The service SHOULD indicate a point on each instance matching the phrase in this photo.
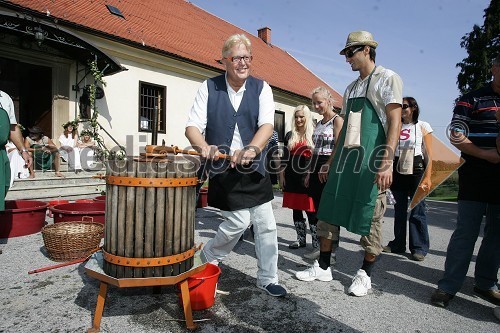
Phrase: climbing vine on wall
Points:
(92, 88)
(92, 91)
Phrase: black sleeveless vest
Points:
(222, 119)
(242, 187)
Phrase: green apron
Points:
(4, 159)
(42, 159)
(349, 197)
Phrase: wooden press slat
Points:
(130, 220)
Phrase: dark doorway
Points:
(30, 87)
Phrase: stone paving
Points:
(64, 300)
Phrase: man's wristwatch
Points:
(24, 150)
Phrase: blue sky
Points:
(419, 39)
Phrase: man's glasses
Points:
(405, 106)
(236, 60)
(349, 53)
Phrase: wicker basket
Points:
(66, 241)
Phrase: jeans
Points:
(265, 236)
(461, 247)
(418, 231)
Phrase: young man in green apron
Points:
(8, 130)
(360, 168)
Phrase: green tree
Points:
(482, 45)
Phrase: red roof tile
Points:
(179, 28)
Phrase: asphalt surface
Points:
(64, 299)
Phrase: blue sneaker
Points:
(274, 289)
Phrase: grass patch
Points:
(447, 191)
(444, 198)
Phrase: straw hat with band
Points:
(356, 38)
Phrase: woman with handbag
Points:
(412, 166)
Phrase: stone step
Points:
(46, 186)
(49, 179)
(55, 186)
(71, 193)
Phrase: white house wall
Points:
(120, 106)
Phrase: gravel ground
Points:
(64, 299)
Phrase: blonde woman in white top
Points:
(325, 135)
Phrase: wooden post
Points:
(149, 225)
(160, 218)
(101, 298)
(169, 219)
(186, 304)
(108, 216)
(120, 220)
(181, 173)
(130, 220)
(140, 195)
(177, 221)
(191, 193)
(114, 219)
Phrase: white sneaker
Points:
(361, 283)
(312, 255)
(315, 273)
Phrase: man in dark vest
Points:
(235, 111)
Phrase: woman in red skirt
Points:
(298, 143)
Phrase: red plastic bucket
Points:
(202, 287)
(57, 202)
(79, 211)
(53, 203)
(84, 200)
(100, 198)
(22, 217)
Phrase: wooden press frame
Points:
(106, 280)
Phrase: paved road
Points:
(63, 300)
